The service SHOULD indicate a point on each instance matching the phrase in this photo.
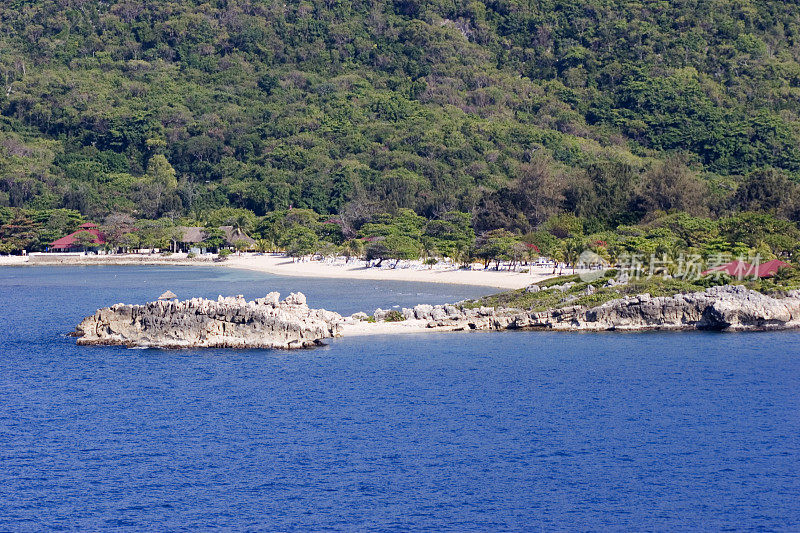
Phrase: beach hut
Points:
(189, 239)
(169, 295)
(233, 235)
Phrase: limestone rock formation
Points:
(270, 323)
(728, 308)
(224, 323)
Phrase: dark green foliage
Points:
(53, 224)
(769, 190)
(394, 316)
(300, 241)
(396, 247)
(495, 245)
(512, 111)
(449, 236)
(214, 240)
(84, 239)
(17, 233)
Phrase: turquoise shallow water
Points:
(460, 432)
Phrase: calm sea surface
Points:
(446, 431)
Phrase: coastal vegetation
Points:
(390, 130)
(669, 238)
(571, 290)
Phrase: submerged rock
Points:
(224, 323)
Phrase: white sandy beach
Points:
(410, 326)
(279, 264)
(406, 271)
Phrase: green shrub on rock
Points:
(394, 316)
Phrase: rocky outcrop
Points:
(271, 323)
(224, 323)
(725, 308)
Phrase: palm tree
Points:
(572, 252)
(614, 252)
(241, 245)
(429, 249)
(241, 224)
(264, 245)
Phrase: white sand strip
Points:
(278, 264)
(386, 328)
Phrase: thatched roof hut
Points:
(191, 234)
(232, 235)
(169, 295)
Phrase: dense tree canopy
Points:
(511, 111)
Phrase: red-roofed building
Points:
(735, 269)
(770, 268)
(70, 242)
(741, 269)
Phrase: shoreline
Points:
(268, 322)
(279, 264)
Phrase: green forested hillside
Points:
(511, 110)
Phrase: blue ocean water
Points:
(448, 431)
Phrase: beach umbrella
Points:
(169, 295)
